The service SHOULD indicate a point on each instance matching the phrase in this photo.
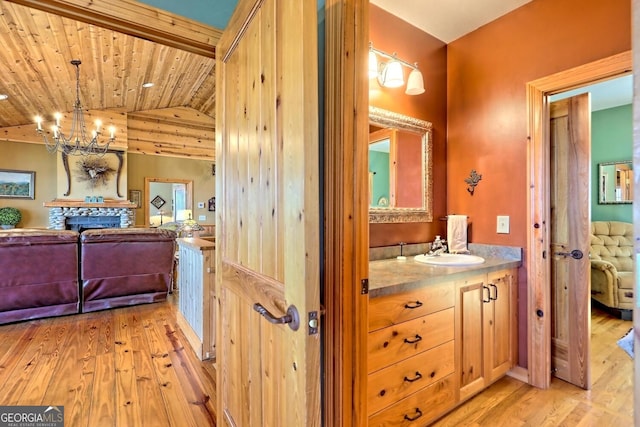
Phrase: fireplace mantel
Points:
(110, 203)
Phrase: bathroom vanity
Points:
(438, 335)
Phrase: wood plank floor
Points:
(511, 403)
(123, 367)
(132, 367)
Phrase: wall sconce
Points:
(391, 74)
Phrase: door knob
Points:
(291, 318)
(575, 254)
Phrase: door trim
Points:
(346, 251)
(538, 268)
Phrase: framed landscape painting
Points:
(17, 184)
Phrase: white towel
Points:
(457, 234)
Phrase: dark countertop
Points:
(390, 276)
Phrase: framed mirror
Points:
(400, 167)
(167, 200)
(615, 182)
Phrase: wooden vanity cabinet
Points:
(486, 333)
(411, 359)
(431, 349)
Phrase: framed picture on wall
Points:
(212, 204)
(134, 197)
(158, 202)
(16, 184)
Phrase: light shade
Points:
(391, 75)
(415, 83)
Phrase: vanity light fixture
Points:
(391, 74)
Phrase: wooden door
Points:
(570, 136)
(472, 296)
(267, 225)
(499, 324)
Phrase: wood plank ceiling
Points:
(175, 117)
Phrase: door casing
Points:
(538, 266)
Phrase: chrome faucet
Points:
(438, 247)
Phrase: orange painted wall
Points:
(391, 34)
(487, 117)
(487, 73)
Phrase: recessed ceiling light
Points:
(3, 96)
(148, 84)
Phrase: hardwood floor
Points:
(511, 403)
(131, 367)
(122, 367)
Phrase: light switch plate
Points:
(503, 224)
(202, 217)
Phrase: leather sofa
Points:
(38, 274)
(125, 266)
(611, 255)
(46, 273)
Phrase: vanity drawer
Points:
(420, 408)
(399, 380)
(398, 342)
(392, 309)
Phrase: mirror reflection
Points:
(615, 182)
(399, 168)
(167, 200)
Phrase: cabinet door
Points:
(471, 297)
(498, 326)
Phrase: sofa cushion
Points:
(125, 266)
(612, 241)
(39, 274)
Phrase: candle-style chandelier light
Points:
(77, 141)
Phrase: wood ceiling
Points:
(170, 118)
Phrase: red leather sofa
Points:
(125, 266)
(38, 274)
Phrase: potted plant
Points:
(9, 217)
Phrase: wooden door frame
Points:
(346, 263)
(538, 266)
(346, 251)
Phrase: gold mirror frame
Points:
(389, 119)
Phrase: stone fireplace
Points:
(78, 215)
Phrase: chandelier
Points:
(77, 141)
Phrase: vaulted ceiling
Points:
(37, 76)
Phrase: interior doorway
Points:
(539, 312)
(167, 200)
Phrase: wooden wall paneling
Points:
(346, 210)
(254, 159)
(271, 194)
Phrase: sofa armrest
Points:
(602, 265)
(603, 282)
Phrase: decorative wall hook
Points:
(472, 181)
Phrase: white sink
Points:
(450, 259)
